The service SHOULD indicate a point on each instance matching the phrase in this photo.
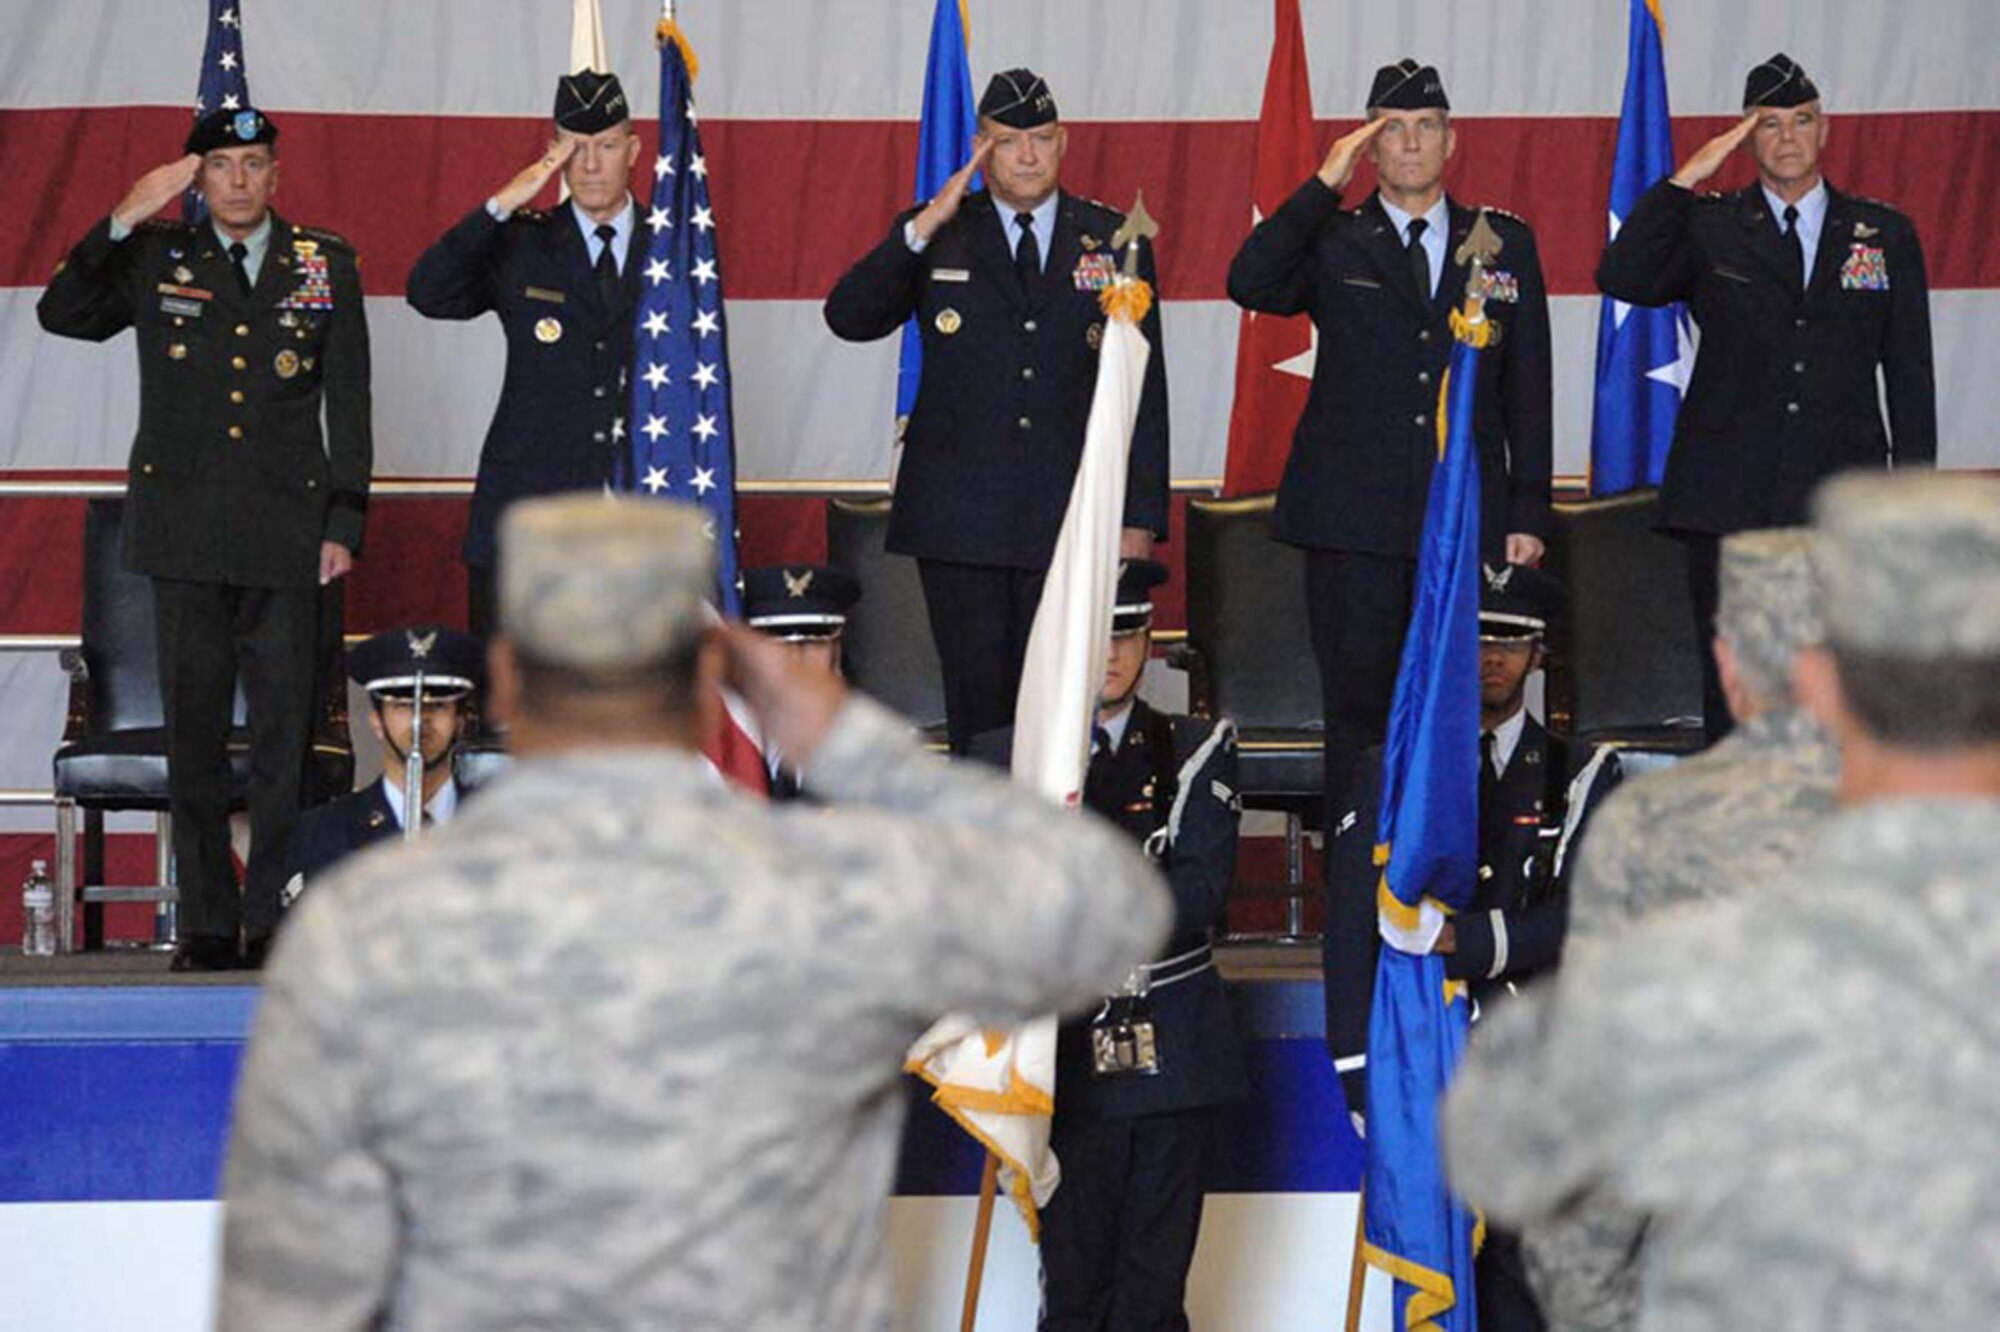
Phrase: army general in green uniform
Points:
(241, 506)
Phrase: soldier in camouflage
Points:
(619, 1048)
(1795, 1085)
(1728, 820)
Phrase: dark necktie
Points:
(1420, 259)
(1028, 252)
(238, 252)
(1100, 741)
(1795, 245)
(606, 267)
(1489, 780)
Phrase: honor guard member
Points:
(1380, 282)
(1140, 1081)
(1004, 285)
(1795, 1085)
(1731, 819)
(1513, 929)
(390, 667)
(240, 506)
(804, 607)
(1804, 295)
(563, 287)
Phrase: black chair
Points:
(1624, 670)
(1249, 658)
(886, 647)
(113, 752)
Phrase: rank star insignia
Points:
(796, 587)
(548, 330)
(948, 321)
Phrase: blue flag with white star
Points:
(681, 428)
(224, 83)
(944, 144)
(1643, 355)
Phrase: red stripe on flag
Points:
(1268, 399)
(799, 200)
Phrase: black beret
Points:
(590, 103)
(1407, 86)
(387, 665)
(1516, 602)
(230, 129)
(1778, 83)
(799, 601)
(1019, 99)
(1133, 610)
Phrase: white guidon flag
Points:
(1000, 1085)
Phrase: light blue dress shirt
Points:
(1437, 223)
(1812, 221)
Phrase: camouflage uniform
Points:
(619, 1048)
(1796, 1088)
(1793, 1087)
(1731, 819)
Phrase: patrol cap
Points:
(1019, 99)
(1133, 609)
(389, 664)
(1407, 86)
(1909, 564)
(230, 129)
(1767, 600)
(604, 585)
(1778, 83)
(588, 102)
(799, 602)
(1516, 603)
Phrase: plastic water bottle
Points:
(38, 913)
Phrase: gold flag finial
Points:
(1139, 225)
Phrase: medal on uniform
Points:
(288, 320)
(1094, 335)
(286, 364)
(1094, 272)
(1088, 241)
(1866, 269)
(177, 351)
(548, 329)
(947, 321)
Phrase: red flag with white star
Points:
(1274, 356)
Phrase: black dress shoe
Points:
(254, 952)
(204, 952)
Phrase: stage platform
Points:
(117, 1079)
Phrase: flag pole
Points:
(982, 1231)
(1357, 1267)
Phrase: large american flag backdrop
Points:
(397, 118)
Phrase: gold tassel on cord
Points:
(670, 31)
(1128, 299)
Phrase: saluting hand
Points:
(1338, 168)
(528, 182)
(156, 189)
(943, 206)
(1708, 158)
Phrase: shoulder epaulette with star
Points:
(331, 239)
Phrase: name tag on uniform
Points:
(544, 294)
(951, 275)
(1369, 283)
(1095, 272)
(1866, 269)
(181, 305)
(1731, 275)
